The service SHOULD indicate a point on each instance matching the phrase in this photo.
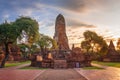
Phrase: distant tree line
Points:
(95, 45)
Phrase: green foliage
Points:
(29, 27)
(92, 68)
(86, 45)
(46, 42)
(54, 44)
(33, 48)
(33, 68)
(94, 43)
(8, 33)
(16, 64)
(24, 49)
(112, 64)
(23, 27)
(118, 45)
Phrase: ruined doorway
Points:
(77, 64)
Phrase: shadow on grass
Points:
(16, 63)
(32, 68)
(111, 64)
(92, 68)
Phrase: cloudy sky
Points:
(101, 16)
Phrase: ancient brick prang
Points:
(60, 33)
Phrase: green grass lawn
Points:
(29, 67)
(15, 63)
(112, 64)
(92, 68)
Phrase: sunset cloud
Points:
(78, 24)
(101, 16)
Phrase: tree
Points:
(27, 28)
(10, 32)
(8, 35)
(118, 44)
(45, 42)
(24, 48)
(85, 45)
(94, 43)
(54, 44)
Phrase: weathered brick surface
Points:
(60, 64)
(60, 33)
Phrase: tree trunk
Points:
(42, 51)
(6, 56)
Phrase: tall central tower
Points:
(60, 33)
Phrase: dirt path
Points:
(60, 74)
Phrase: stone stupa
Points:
(60, 33)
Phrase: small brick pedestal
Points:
(60, 64)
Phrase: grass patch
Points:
(16, 63)
(112, 64)
(92, 68)
(32, 68)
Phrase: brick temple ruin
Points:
(15, 53)
(112, 55)
(63, 57)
